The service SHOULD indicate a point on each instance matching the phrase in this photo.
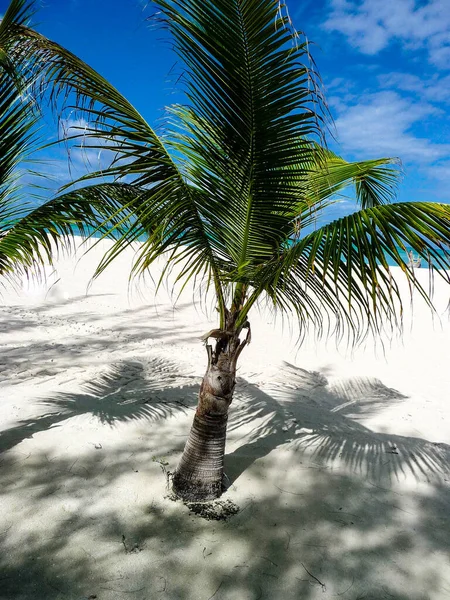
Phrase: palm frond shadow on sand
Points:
(299, 409)
(356, 538)
(303, 411)
(127, 391)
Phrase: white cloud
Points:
(440, 171)
(434, 89)
(371, 25)
(382, 125)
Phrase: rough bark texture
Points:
(199, 474)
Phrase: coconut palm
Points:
(236, 193)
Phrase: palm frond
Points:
(253, 105)
(32, 240)
(117, 126)
(338, 277)
(375, 181)
(17, 139)
(18, 120)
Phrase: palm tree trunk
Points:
(199, 474)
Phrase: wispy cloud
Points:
(371, 25)
(440, 171)
(382, 124)
(434, 89)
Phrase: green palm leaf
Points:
(30, 240)
(338, 278)
(18, 125)
(248, 121)
(233, 190)
(375, 181)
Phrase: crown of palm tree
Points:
(236, 188)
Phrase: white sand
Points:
(339, 462)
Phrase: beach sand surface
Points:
(338, 459)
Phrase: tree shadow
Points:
(129, 390)
(300, 411)
(75, 339)
(73, 533)
(304, 412)
(319, 518)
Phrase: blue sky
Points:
(385, 67)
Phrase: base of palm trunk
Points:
(199, 475)
(195, 490)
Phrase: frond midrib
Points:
(248, 218)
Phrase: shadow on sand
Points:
(323, 519)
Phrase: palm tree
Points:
(236, 193)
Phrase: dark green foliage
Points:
(233, 190)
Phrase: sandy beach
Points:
(338, 460)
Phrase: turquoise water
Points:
(405, 258)
(403, 254)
